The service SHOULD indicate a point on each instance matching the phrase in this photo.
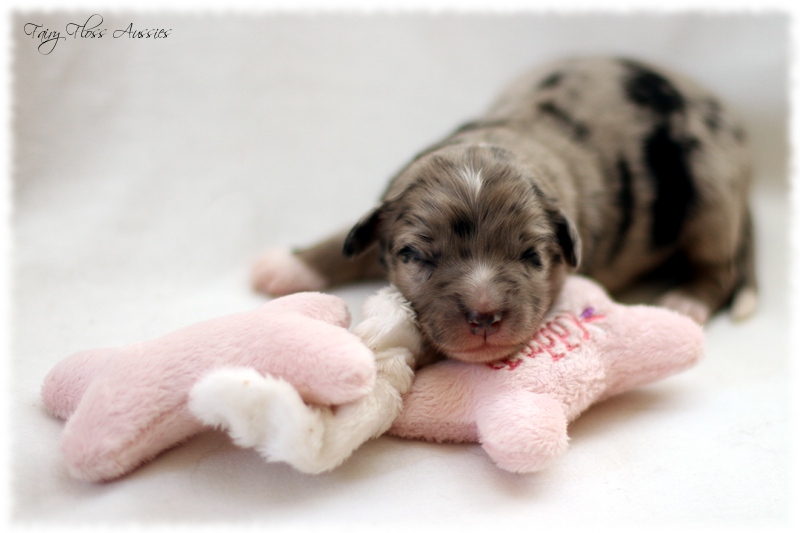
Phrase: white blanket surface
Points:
(149, 173)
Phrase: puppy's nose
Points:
(484, 323)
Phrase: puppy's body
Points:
(603, 165)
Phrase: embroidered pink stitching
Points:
(508, 362)
(557, 338)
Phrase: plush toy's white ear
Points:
(261, 412)
(269, 415)
(389, 322)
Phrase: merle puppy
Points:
(608, 167)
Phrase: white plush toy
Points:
(268, 414)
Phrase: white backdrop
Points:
(149, 173)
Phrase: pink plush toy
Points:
(589, 348)
(125, 405)
(269, 376)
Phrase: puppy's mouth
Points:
(478, 340)
(482, 350)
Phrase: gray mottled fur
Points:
(605, 166)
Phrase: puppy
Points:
(604, 166)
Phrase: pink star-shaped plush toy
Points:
(588, 349)
(125, 405)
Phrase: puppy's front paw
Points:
(279, 272)
(687, 305)
(744, 303)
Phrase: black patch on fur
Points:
(480, 125)
(552, 80)
(651, 90)
(463, 227)
(675, 270)
(667, 160)
(625, 203)
(502, 154)
(578, 130)
(713, 114)
(691, 144)
(537, 191)
(666, 157)
(517, 209)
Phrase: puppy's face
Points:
(475, 247)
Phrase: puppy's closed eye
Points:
(531, 257)
(410, 254)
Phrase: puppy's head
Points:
(475, 246)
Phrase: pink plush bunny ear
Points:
(325, 307)
(66, 383)
(126, 405)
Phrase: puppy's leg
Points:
(719, 248)
(745, 298)
(279, 271)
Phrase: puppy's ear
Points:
(567, 237)
(364, 233)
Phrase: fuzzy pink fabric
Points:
(125, 405)
(518, 408)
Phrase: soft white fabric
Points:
(148, 174)
(268, 414)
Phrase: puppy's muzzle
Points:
(484, 324)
